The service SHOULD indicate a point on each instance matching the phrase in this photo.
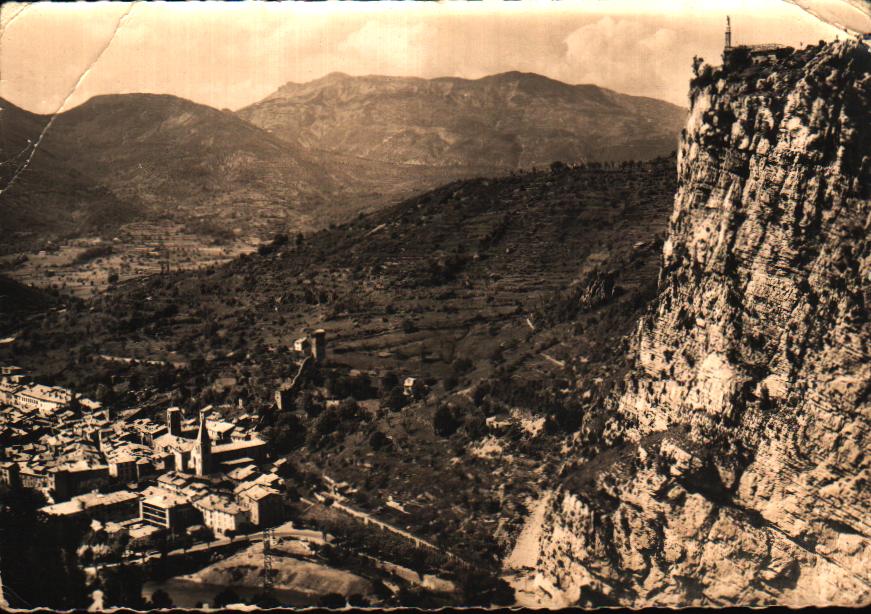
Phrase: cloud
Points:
(386, 48)
(630, 55)
(232, 54)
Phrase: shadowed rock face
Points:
(738, 471)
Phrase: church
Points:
(210, 450)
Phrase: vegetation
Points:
(92, 253)
(510, 298)
(34, 548)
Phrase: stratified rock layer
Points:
(738, 471)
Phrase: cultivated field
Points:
(87, 266)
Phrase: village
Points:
(410, 440)
(138, 474)
(173, 479)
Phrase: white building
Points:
(221, 514)
(47, 400)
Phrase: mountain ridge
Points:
(511, 120)
(251, 174)
(162, 155)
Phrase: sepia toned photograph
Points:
(540, 304)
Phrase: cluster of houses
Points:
(139, 474)
(144, 473)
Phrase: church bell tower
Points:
(201, 455)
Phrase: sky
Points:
(54, 56)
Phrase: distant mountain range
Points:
(160, 155)
(307, 155)
(511, 120)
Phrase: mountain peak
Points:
(517, 75)
(335, 76)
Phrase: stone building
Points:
(319, 345)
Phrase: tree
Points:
(394, 400)
(327, 423)
(444, 422)
(462, 365)
(379, 441)
(183, 541)
(88, 556)
(161, 599)
(388, 382)
(287, 434)
(332, 601)
(101, 394)
(33, 548)
(309, 403)
(122, 587)
(475, 425)
(350, 411)
(226, 597)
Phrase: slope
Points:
(523, 286)
(49, 199)
(192, 161)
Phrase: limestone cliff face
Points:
(738, 470)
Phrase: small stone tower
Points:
(728, 42)
(173, 421)
(319, 345)
(201, 455)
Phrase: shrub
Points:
(394, 400)
(226, 597)
(92, 253)
(379, 441)
(445, 422)
(461, 366)
(161, 599)
(558, 167)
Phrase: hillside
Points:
(512, 295)
(737, 466)
(191, 161)
(507, 121)
(307, 156)
(50, 198)
(18, 301)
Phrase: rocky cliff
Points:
(735, 469)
